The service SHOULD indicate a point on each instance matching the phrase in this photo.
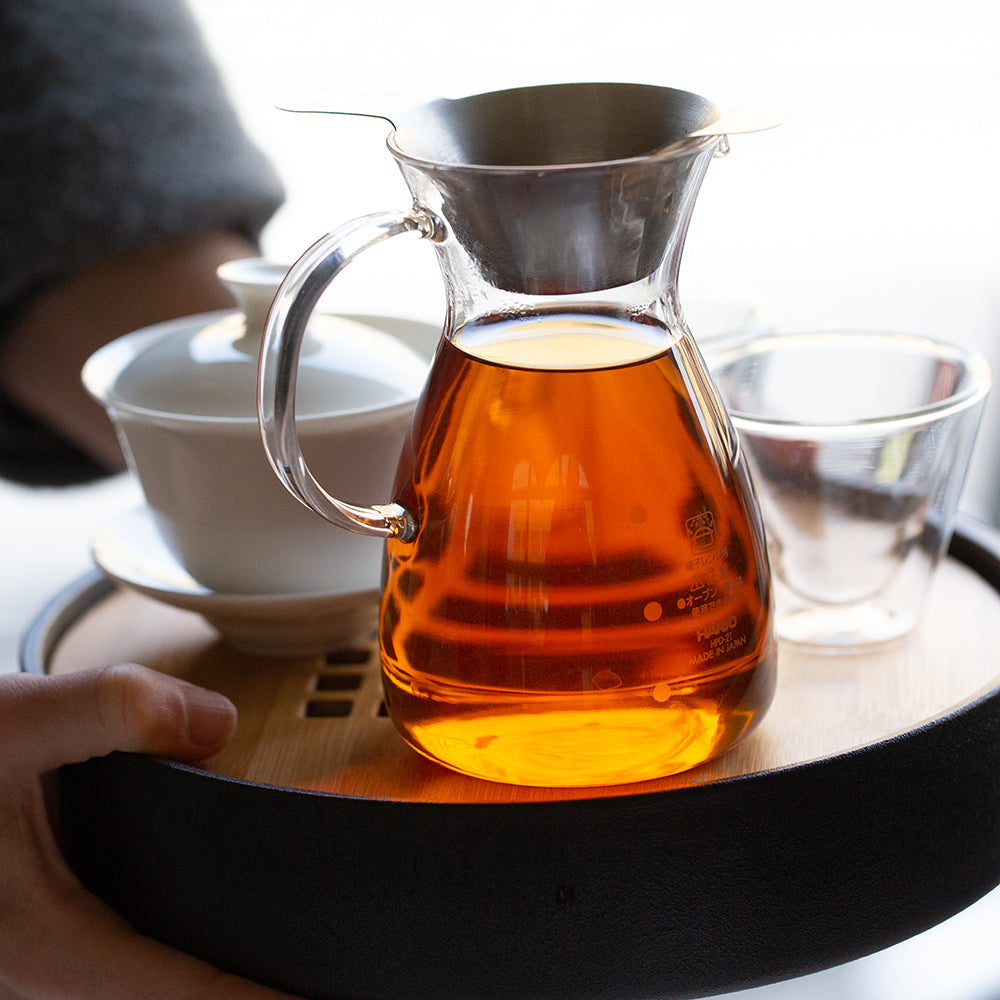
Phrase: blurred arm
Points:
(126, 178)
(44, 350)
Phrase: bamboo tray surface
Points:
(320, 724)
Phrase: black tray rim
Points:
(669, 894)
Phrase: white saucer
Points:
(131, 552)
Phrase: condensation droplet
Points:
(652, 611)
(662, 692)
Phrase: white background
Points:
(874, 206)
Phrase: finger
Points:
(58, 942)
(50, 721)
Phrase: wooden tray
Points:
(321, 855)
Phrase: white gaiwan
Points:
(182, 397)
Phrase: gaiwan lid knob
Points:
(254, 282)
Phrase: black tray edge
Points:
(677, 894)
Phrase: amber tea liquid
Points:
(587, 600)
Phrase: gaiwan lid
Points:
(205, 366)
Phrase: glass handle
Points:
(296, 298)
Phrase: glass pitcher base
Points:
(561, 746)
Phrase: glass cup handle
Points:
(296, 298)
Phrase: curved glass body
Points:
(586, 600)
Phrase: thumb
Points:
(52, 721)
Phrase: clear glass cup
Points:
(858, 443)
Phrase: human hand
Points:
(57, 941)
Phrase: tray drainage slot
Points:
(353, 656)
(328, 708)
(339, 682)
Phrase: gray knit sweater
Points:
(115, 133)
